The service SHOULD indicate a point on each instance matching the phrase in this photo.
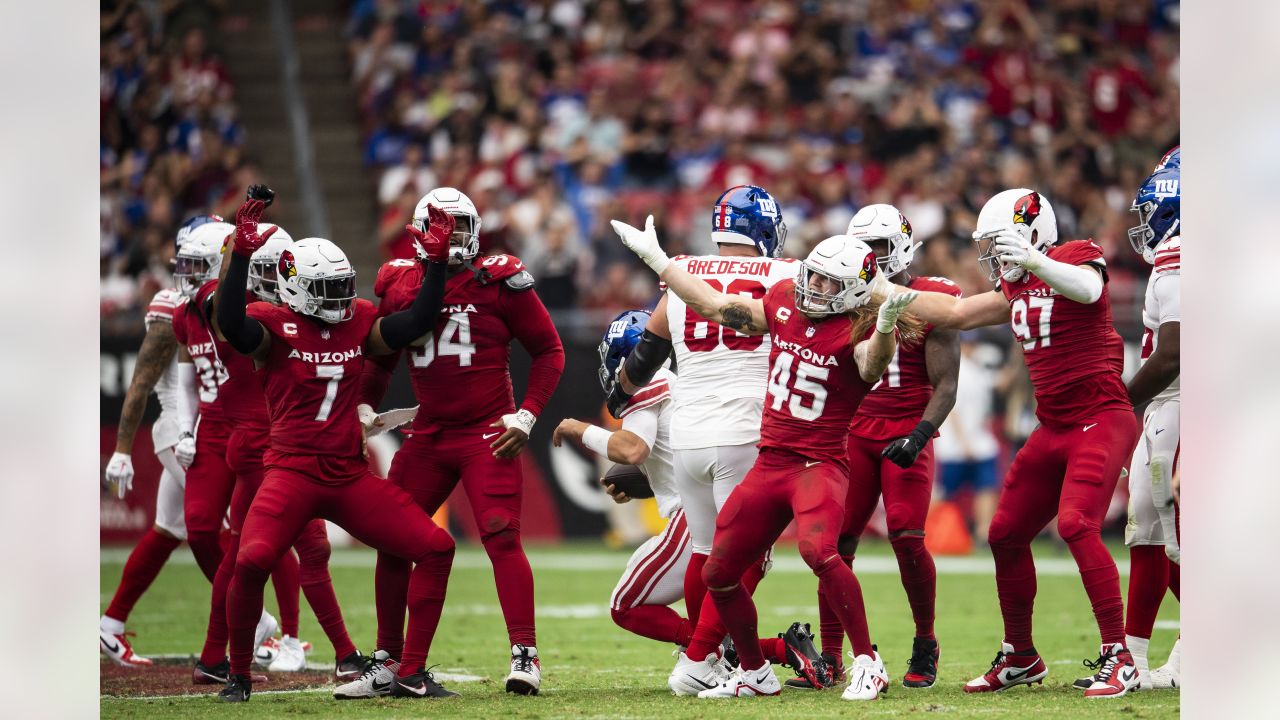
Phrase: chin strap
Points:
(483, 276)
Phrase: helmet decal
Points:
(869, 265)
(287, 269)
(1026, 209)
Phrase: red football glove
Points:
(434, 243)
(247, 218)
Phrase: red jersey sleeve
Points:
(772, 306)
(530, 323)
(1080, 252)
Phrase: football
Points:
(630, 479)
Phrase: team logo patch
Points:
(868, 270)
(1026, 209)
(286, 267)
(906, 226)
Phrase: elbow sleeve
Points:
(647, 359)
(400, 329)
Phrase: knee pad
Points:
(314, 552)
(816, 552)
(1000, 532)
(441, 543)
(499, 527)
(1074, 525)
(907, 541)
(715, 575)
(255, 560)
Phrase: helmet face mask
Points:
(996, 270)
(200, 256)
(1023, 211)
(1158, 205)
(315, 278)
(621, 337)
(464, 244)
(189, 273)
(263, 265)
(885, 230)
(846, 262)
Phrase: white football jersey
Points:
(648, 415)
(164, 433)
(1163, 302)
(719, 396)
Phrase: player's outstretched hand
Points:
(515, 435)
(891, 309)
(248, 241)
(120, 473)
(644, 243)
(568, 429)
(432, 242)
(1013, 249)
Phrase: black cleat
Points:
(804, 658)
(420, 685)
(238, 689)
(351, 667)
(728, 652)
(837, 675)
(922, 668)
(211, 674)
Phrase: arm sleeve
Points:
(376, 377)
(649, 356)
(644, 424)
(188, 403)
(1168, 291)
(1071, 281)
(245, 335)
(531, 324)
(401, 328)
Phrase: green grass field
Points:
(594, 669)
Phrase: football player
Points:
(309, 352)
(719, 399)
(468, 428)
(1055, 298)
(156, 369)
(890, 452)
(655, 573)
(829, 345)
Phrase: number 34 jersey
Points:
(721, 373)
(1074, 354)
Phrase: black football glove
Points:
(261, 192)
(904, 451)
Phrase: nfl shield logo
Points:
(324, 334)
(809, 332)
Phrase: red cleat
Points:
(1008, 670)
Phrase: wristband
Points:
(597, 439)
(924, 431)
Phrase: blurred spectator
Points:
(966, 449)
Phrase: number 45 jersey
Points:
(1074, 354)
(460, 371)
(721, 373)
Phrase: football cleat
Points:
(419, 685)
(267, 627)
(1117, 673)
(1008, 670)
(837, 675)
(728, 654)
(266, 652)
(690, 677)
(804, 658)
(218, 674)
(746, 683)
(1167, 676)
(116, 646)
(350, 667)
(922, 669)
(290, 657)
(376, 680)
(525, 677)
(238, 689)
(867, 678)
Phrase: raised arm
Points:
(949, 311)
(1081, 283)
(395, 331)
(247, 336)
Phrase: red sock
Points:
(1148, 579)
(739, 616)
(391, 588)
(427, 587)
(773, 649)
(711, 629)
(1102, 584)
(695, 591)
(1016, 586)
(656, 622)
(829, 627)
(845, 596)
(285, 580)
(140, 570)
(244, 608)
(1175, 580)
(317, 585)
(215, 639)
(514, 579)
(919, 579)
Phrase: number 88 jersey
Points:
(719, 392)
(1074, 354)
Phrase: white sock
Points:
(116, 627)
(1175, 656)
(1138, 648)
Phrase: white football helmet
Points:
(314, 278)
(262, 265)
(848, 261)
(465, 243)
(200, 256)
(885, 223)
(1025, 211)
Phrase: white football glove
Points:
(643, 243)
(185, 450)
(522, 419)
(368, 417)
(120, 473)
(891, 308)
(1013, 249)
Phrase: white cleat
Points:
(526, 671)
(291, 657)
(690, 677)
(116, 646)
(267, 627)
(867, 678)
(267, 652)
(1167, 676)
(746, 683)
(375, 681)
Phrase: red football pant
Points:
(1070, 473)
(782, 486)
(140, 570)
(376, 513)
(210, 482)
(907, 493)
(428, 466)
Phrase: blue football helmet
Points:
(748, 215)
(1171, 159)
(619, 340)
(192, 223)
(1158, 205)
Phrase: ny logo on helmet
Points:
(286, 267)
(868, 270)
(1026, 209)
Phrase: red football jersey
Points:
(461, 371)
(814, 386)
(229, 386)
(1073, 351)
(897, 402)
(312, 379)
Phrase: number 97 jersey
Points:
(719, 392)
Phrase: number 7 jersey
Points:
(1074, 354)
(721, 373)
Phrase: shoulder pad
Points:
(520, 281)
(499, 267)
(389, 273)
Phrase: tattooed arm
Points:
(744, 314)
(154, 357)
